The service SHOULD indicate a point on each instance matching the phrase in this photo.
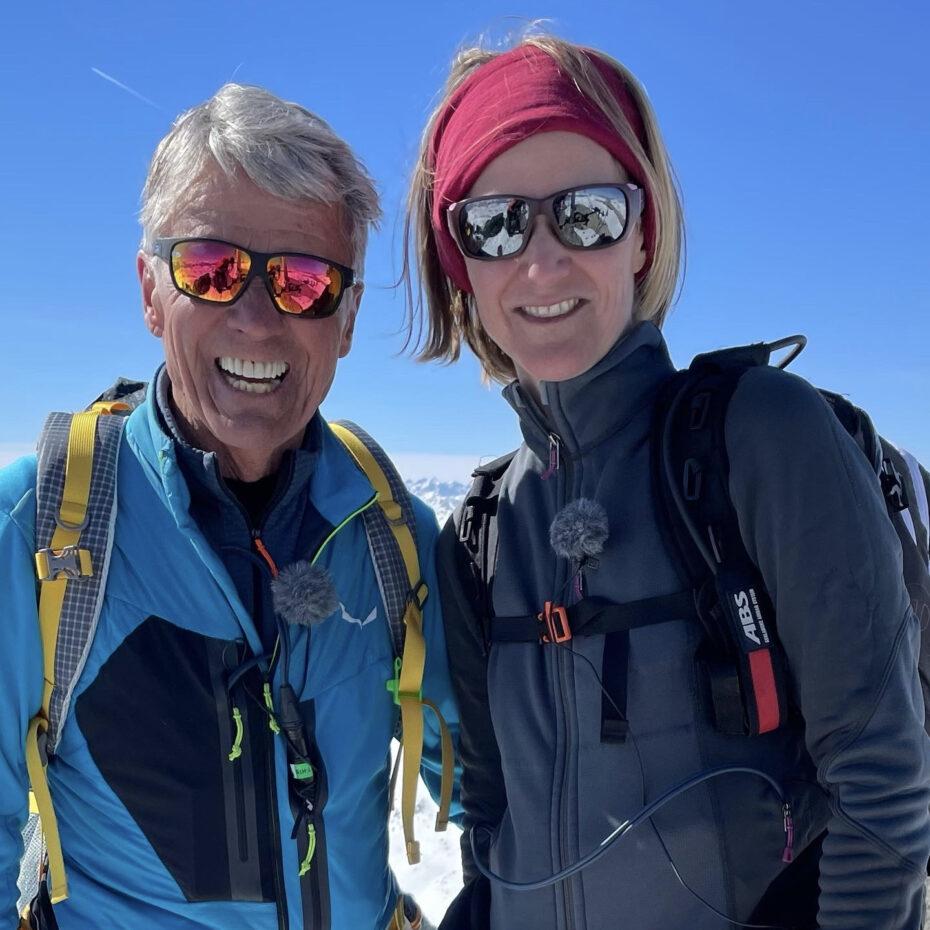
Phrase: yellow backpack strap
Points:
(61, 566)
(406, 685)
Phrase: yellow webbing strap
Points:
(398, 920)
(409, 695)
(58, 888)
(72, 513)
(448, 755)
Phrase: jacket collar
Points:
(338, 487)
(585, 410)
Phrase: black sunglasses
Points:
(592, 216)
(218, 272)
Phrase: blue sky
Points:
(800, 131)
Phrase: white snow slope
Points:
(435, 881)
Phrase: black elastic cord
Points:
(645, 814)
(621, 831)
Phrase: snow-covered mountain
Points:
(442, 496)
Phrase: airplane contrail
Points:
(128, 90)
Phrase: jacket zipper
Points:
(563, 468)
(238, 781)
(278, 870)
(280, 896)
(280, 893)
(559, 468)
(336, 529)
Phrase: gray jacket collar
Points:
(585, 410)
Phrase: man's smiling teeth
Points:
(262, 376)
(559, 309)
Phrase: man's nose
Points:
(254, 313)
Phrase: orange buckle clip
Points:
(556, 620)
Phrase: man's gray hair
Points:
(284, 149)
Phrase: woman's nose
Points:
(544, 255)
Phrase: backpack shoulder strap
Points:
(75, 512)
(391, 531)
(912, 492)
(391, 526)
(477, 537)
(743, 660)
(903, 484)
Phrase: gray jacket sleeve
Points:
(813, 519)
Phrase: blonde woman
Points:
(547, 233)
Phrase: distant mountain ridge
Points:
(442, 496)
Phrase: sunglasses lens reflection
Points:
(303, 285)
(591, 217)
(209, 270)
(494, 227)
(584, 218)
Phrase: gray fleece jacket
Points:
(855, 763)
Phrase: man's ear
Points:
(353, 299)
(151, 305)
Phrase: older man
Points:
(174, 780)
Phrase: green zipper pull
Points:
(269, 704)
(311, 849)
(236, 750)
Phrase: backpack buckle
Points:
(69, 562)
(418, 594)
(556, 620)
(893, 486)
(393, 685)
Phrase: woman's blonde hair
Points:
(450, 315)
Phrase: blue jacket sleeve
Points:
(20, 668)
(437, 686)
(813, 518)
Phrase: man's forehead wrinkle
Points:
(205, 208)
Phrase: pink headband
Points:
(514, 96)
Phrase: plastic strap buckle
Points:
(556, 620)
(893, 486)
(69, 562)
(418, 594)
(393, 685)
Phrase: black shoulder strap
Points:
(477, 535)
(744, 663)
(126, 390)
(903, 484)
(856, 422)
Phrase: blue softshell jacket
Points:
(161, 828)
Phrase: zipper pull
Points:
(264, 553)
(579, 584)
(269, 706)
(555, 445)
(236, 750)
(311, 849)
(788, 854)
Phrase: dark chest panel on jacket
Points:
(165, 751)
